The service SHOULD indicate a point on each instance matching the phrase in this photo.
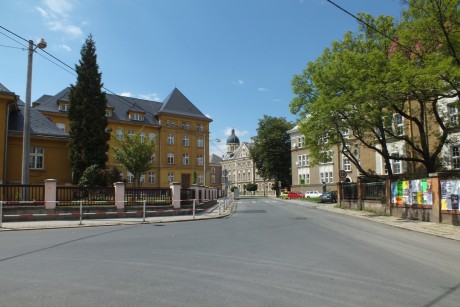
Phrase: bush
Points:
(93, 176)
(251, 187)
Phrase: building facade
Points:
(178, 127)
(238, 168)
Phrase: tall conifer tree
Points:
(87, 115)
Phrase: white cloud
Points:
(126, 94)
(238, 133)
(59, 26)
(65, 47)
(42, 12)
(60, 7)
(238, 82)
(262, 89)
(55, 14)
(150, 96)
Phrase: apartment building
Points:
(178, 127)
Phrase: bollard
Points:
(81, 212)
(1, 213)
(143, 211)
(219, 206)
(193, 208)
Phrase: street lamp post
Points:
(26, 133)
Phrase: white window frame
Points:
(200, 142)
(199, 159)
(185, 159)
(37, 158)
(170, 177)
(120, 134)
(346, 164)
(170, 158)
(452, 112)
(61, 126)
(152, 177)
(456, 157)
(170, 139)
(186, 141)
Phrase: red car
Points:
(292, 195)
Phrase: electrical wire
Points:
(373, 28)
(121, 98)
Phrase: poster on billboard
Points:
(450, 191)
(412, 192)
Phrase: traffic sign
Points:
(342, 174)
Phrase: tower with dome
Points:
(240, 168)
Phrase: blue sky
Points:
(233, 59)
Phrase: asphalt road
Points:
(269, 253)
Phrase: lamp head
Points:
(41, 43)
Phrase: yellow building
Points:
(179, 128)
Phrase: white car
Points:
(309, 194)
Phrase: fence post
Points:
(1, 213)
(119, 195)
(175, 191)
(50, 194)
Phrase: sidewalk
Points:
(435, 229)
(33, 225)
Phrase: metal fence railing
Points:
(152, 196)
(15, 193)
(187, 196)
(66, 195)
(349, 191)
(374, 190)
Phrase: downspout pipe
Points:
(5, 165)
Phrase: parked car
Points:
(284, 195)
(309, 194)
(329, 197)
(293, 195)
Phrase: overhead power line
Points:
(121, 98)
(373, 28)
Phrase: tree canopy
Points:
(134, 154)
(360, 90)
(88, 134)
(271, 149)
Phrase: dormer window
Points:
(108, 113)
(63, 107)
(136, 116)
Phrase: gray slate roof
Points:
(40, 125)
(175, 103)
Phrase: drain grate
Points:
(251, 211)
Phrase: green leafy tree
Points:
(88, 138)
(361, 84)
(134, 154)
(251, 187)
(271, 150)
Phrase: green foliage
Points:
(93, 176)
(271, 149)
(134, 154)
(232, 188)
(113, 175)
(251, 187)
(360, 83)
(194, 179)
(88, 138)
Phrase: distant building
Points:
(239, 168)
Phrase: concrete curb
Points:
(38, 225)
